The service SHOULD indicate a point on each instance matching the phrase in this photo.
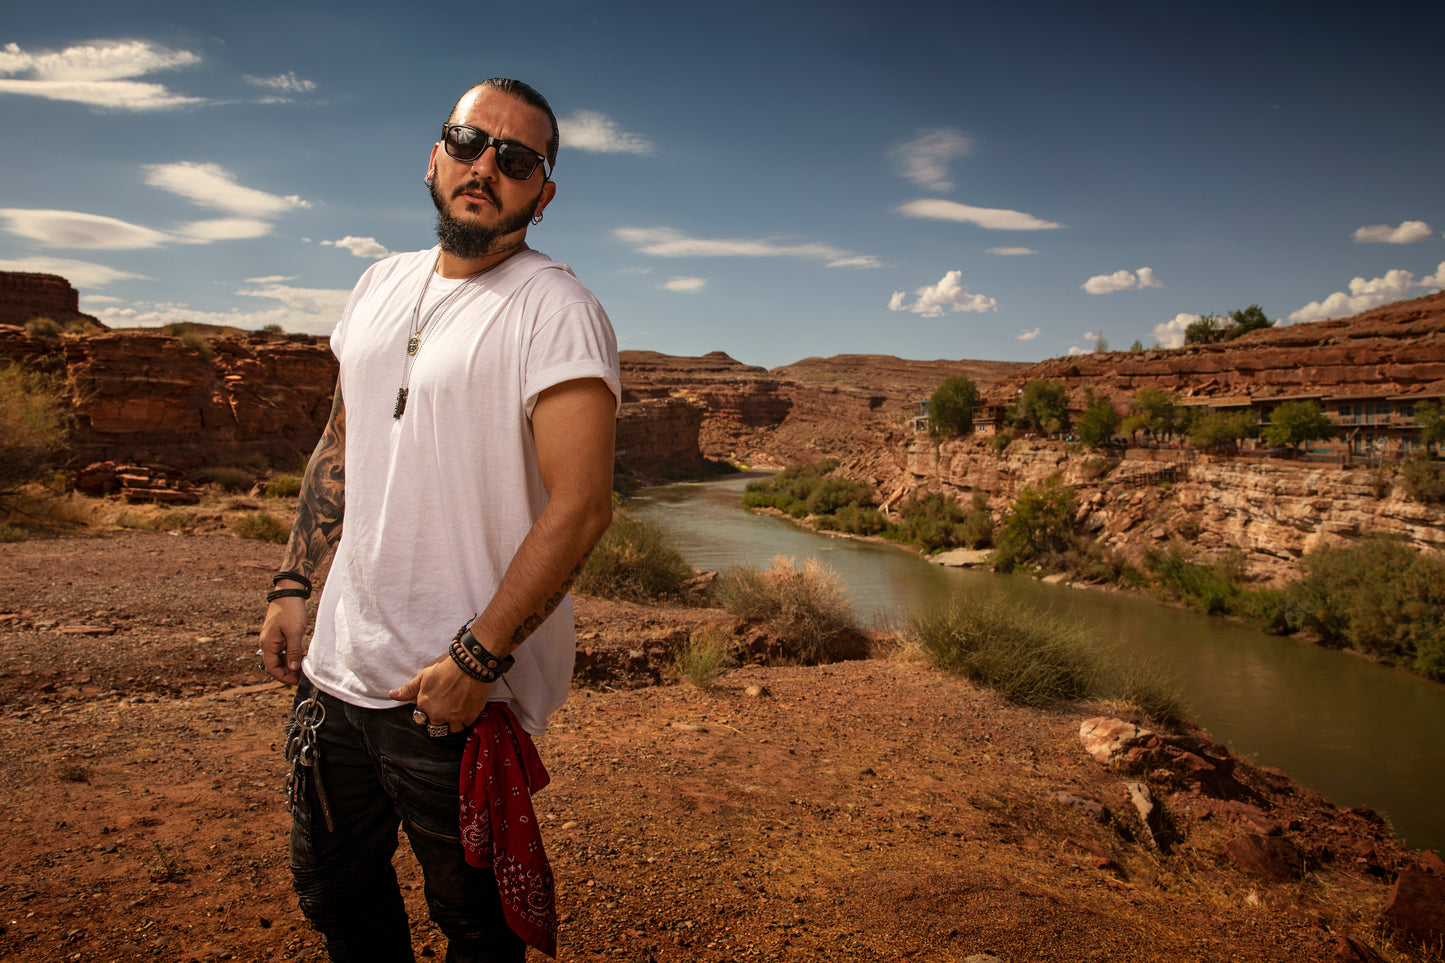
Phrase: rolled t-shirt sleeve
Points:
(573, 343)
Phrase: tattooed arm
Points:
(317, 530)
(573, 425)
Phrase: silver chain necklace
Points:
(421, 326)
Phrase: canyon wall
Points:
(25, 296)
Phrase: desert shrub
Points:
(251, 459)
(804, 489)
(228, 479)
(34, 425)
(1001, 440)
(1150, 689)
(1029, 657)
(834, 493)
(858, 520)
(1038, 527)
(1379, 596)
(137, 521)
(263, 527)
(40, 327)
(1095, 468)
(634, 561)
(12, 533)
(807, 610)
(284, 484)
(1265, 608)
(1421, 481)
(1213, 587)
(192, 339)
(703, 656)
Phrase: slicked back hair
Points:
(528, 95)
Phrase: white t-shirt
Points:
(438, 501)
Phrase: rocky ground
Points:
(870, 811)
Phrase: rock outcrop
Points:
(24, 296)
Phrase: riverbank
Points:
(779, 816)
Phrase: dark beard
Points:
(467, 240)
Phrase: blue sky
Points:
(773, 180)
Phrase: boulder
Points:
(1270, 857)
(1417, 905)
(1104, 738)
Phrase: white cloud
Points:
(211, 185)
(73, 229)
(985, 217)
(925, 159)
(949, 293)
(1121, 280)
(1075, 350)
(861, 261)
(1366, 294)
(665, 242)
(89, 299)
(593, 131)
(308, 310)
(287, 83)
(1028, 335)
(1011, 251)
(272, 279)
(1409, 232)
(360, 246)
(82, 274)
(223, 229)
(1170, 334)
(686, 285)
(99, 74)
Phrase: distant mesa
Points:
(24, 296)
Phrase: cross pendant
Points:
(401, 394)
(412, 344)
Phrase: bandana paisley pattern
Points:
(500, 772)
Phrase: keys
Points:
(305, 758)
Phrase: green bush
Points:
(284, 484)
(1151, 689)
(950, 410)
(703, 657)
(39, 327)
(804, 489)
(1001, 440)
(228, 479)
(263, 527)
(934, 522)
(12, 533)
(634, 561)
(251, 459)
(806, 611)
(1030, 658)
(1421, 481)
(1214, 587)
(1038, 527)
(34, 425)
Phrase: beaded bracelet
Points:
(464, 663)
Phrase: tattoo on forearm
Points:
(534, 621)
(321, 506)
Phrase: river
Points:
(1361, 734)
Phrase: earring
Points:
(538, 218)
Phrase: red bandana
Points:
(500, 771)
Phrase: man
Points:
(470, 445)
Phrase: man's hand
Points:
(281, 639)
(446, 694)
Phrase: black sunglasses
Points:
(517, 161)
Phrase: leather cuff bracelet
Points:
(475, 660)
(287, 593)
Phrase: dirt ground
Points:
(865, 811)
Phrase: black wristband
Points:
(288, 593)
(460, 657)
(493, 665)
(293, 577)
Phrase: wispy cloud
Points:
(1122, 280)
(360, 246)
(1170, 334)
(211, 185)
(285, 88)
(592, 131)
(307, 310)
(1028, 335)
(666, 242)
(99, 74)
(685, 285)
(924, 160)
(1366, 294)
(949, 294)
(993, 219)
(1011, 251)
(1409, 232)
(82, 274)
(222, 229)
(73, 229)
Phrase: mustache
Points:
(477, 187)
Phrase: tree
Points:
(1215, 428)
(1136, 346)
(1100, 345)
(1098, 422)
(1430, 418)
(1157, 411)
(1250, 319)
(950, 410)
(1044, 407)
(1296, 422)
(1206, 330)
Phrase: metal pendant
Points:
(412, 344)
(401, 394)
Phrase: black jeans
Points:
(381, 770)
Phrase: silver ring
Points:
(436, 732)
(260, 658)
(419, 717)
